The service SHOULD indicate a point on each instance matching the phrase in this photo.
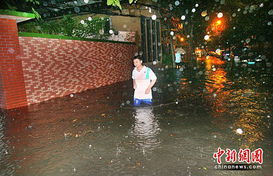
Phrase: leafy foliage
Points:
(116, 3)
(68, 26)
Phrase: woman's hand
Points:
(148, 90)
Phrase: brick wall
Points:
(12, 88)
(56, 67)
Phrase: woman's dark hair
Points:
(138, 57)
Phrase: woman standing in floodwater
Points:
(143, 81)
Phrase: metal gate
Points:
(150, 39)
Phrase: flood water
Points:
(197, 109)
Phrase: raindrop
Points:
(239, 10)
(234, 27)
(127, 102)
(239, 131)
(186, 11)
(222, 2)
(44, 3)
(204, 13)
(171, 33)
(82, 21)
(245, 12)
(153, 17)
(183, 17)
(71, 95)
(90, 146)
(220, 15)
(234, 15)
(111, 31)
(214, 95)
(207, 18)
(74, 169)
(270, 12)
(188, 36)
(89, 18)
(177, 3)
(262, 4)
(77, 9)
(86, 1)
(206, 37)
(171, 8)
(193, 10)
(214, 69)
(154, 62)
(196, 5)
(247, 40)
(154, 89)
(269, 23)
(186, 23)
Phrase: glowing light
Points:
(153, 17)
(89, 18)
(193, 10)
(183, 17)
(196, 5)
(182, 39)
(220, 15)
(218, 22)
(172, 33)
(180, 26)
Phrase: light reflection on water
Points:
(91, 134)
(146, 128)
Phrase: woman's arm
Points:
(147, 91)
(134, 84)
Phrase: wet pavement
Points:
(198, 108)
